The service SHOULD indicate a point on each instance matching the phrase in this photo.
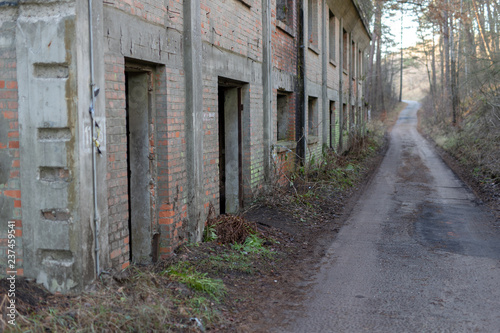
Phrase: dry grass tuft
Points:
(230, 229)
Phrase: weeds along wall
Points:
(196, 103)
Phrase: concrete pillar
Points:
(324, 84)
(350, 72)
(56, 172)
(305, 102)
(341, 84)
(85, 124)
(267, 86)
(194, 118)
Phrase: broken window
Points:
(282, 116)
(353, 59)
(345, 49)
(312, 115)
(284, 11)
(360, 64)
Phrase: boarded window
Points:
(360, 64)
(284, 11)
(331, 36)
(312, 21)
(345, 47)
(334, 126)
(282, 116)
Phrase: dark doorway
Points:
(138, 108)
(230, 151)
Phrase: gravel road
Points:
(418, 254)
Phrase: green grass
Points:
(238, 258)
(230, 262)
(195, 280)
(252, 244)
(209, 234)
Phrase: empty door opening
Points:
(230, 152)
(333, 138)
(138, 105)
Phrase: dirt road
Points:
(417, 254)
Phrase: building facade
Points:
(123, 121)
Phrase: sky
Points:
(410, 37)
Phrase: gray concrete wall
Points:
(194, 117)
(283, 81)
(267, 88)
(131, 37)
(57, 219)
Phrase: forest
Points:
(459, 50)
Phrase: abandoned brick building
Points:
(123, 120)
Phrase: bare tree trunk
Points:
(492, 23)
(496, 7)
(453, 73)
(433, 66)
(401, 67)
(378, 88)
(480, 23)
(441, 55)
(471, 54)
(370, 75)
(446, 44)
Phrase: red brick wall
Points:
(211, 139)
(285, 42)
(167, 144)
(285, 53)
(313, 59)
(167, 137)
(117, 182)
(10, 187)
(252, 133)
(253, 156)
(171, 165)
(233, 26)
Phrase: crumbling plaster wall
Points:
(52, 51)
